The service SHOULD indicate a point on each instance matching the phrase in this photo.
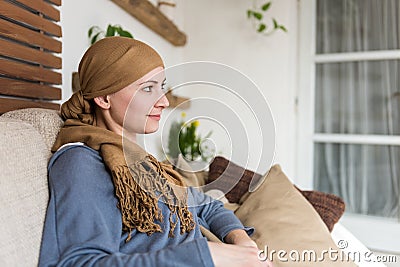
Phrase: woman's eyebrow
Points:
(151, 81)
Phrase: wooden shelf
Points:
(150, 16)
(177, 101)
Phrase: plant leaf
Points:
(110, 30)
(266, 6)
(94, 39)
(283, 28)
(261, 27)
(91, 31)
(124, 33)
(275, 23)
(173, 141)
(118, 30)
(249, 13)
(257, 15)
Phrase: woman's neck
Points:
(102, 122)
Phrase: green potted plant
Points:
(95, 33)
(185, 140)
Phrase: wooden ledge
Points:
(150, 16)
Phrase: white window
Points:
(349, 111)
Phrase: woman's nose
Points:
(162, 101)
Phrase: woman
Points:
(113, 204)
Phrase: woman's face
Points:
(137, 108)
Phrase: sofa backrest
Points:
(25, 140)
(47, 122)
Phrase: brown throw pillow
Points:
(330, 207)
(235, 180)
(230, 178)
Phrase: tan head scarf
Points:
(107, 67)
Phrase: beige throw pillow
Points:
(288, 228)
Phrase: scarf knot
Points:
(79, 108)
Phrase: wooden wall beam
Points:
(150, 16)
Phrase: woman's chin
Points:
(151, 129)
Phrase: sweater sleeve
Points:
(83, 226)
(213, 216)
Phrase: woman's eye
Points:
(163, 86)
(147, 89)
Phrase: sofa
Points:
(26, 138)
(283, 218)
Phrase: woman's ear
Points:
(102, 101)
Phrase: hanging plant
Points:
(95, 33)
(257, 16)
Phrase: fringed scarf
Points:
(139, 184)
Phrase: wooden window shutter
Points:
(30, 54)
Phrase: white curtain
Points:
(359, 98)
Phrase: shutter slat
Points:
(15, 50)
(55, 2)
(32, 73)
(7, 104)
(28, 89)
(43, 7)
(17, 13)
(30, 37)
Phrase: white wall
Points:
(219, 31)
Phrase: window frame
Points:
(359, 225)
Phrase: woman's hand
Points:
(239, 237)
(236, 256)
(242, 252)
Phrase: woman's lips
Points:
(155, 117)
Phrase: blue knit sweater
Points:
(83, 224)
